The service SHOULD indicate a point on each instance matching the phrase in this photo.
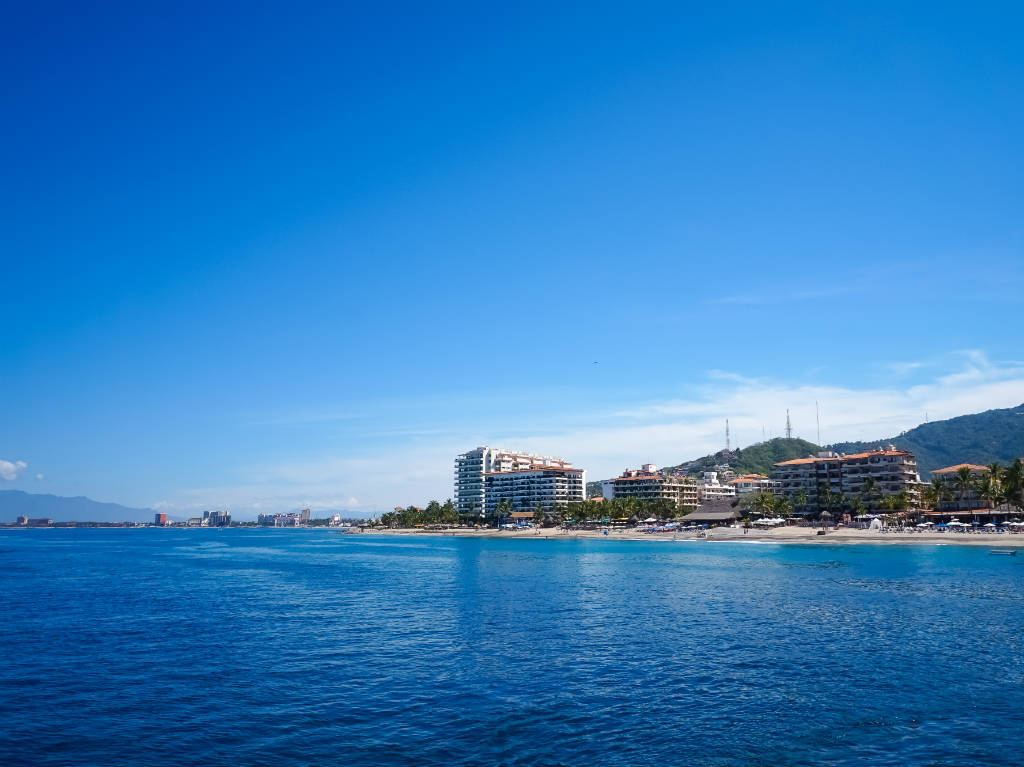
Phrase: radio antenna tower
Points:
(728, 442)
(789, 426)
(817, 417)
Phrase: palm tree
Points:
(783, 507)
(869, 490)
(936, 492)
(1013, 484)
(858, 506)
(964, 482)
(990, 490)
(800, 499)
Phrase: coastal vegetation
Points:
(617, 509)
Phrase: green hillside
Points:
(980, 438)
(755, 459)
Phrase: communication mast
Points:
(728, 442)
(789, 426)
(817, 417)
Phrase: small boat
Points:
(1009, 552)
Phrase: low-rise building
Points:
(753, 483)
(40, 522)
(710, 488)
(961, 498)
(646, 484)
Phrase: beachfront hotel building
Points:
(647, 484)
(809, 475)
(893, 471)
(472, 468)
(548, 487)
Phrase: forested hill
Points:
(755, 459)
(980, 438)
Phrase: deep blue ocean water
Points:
(294, 647)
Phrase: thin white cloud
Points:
(10, 470)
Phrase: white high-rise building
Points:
(471, 468)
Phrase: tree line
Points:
(629, 509)
(998, 485)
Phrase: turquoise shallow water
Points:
(289, 647)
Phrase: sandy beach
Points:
(776, 535)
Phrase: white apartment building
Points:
(647, 484)
(710, 488)
(525, 489)
(753, 483)
(473, 466)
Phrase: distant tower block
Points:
(789, 426)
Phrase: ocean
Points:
(298, 647)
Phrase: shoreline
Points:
(733, 535)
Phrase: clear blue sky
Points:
(259, 254)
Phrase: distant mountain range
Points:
(14, 503)
(980, 438)
(79, 509)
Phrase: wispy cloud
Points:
(10, 470)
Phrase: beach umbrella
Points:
(990, 525)
(650, 519)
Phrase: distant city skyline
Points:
(265, 261)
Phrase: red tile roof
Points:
(952, 469)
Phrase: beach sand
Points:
(776, 535)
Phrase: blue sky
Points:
(304, 253)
